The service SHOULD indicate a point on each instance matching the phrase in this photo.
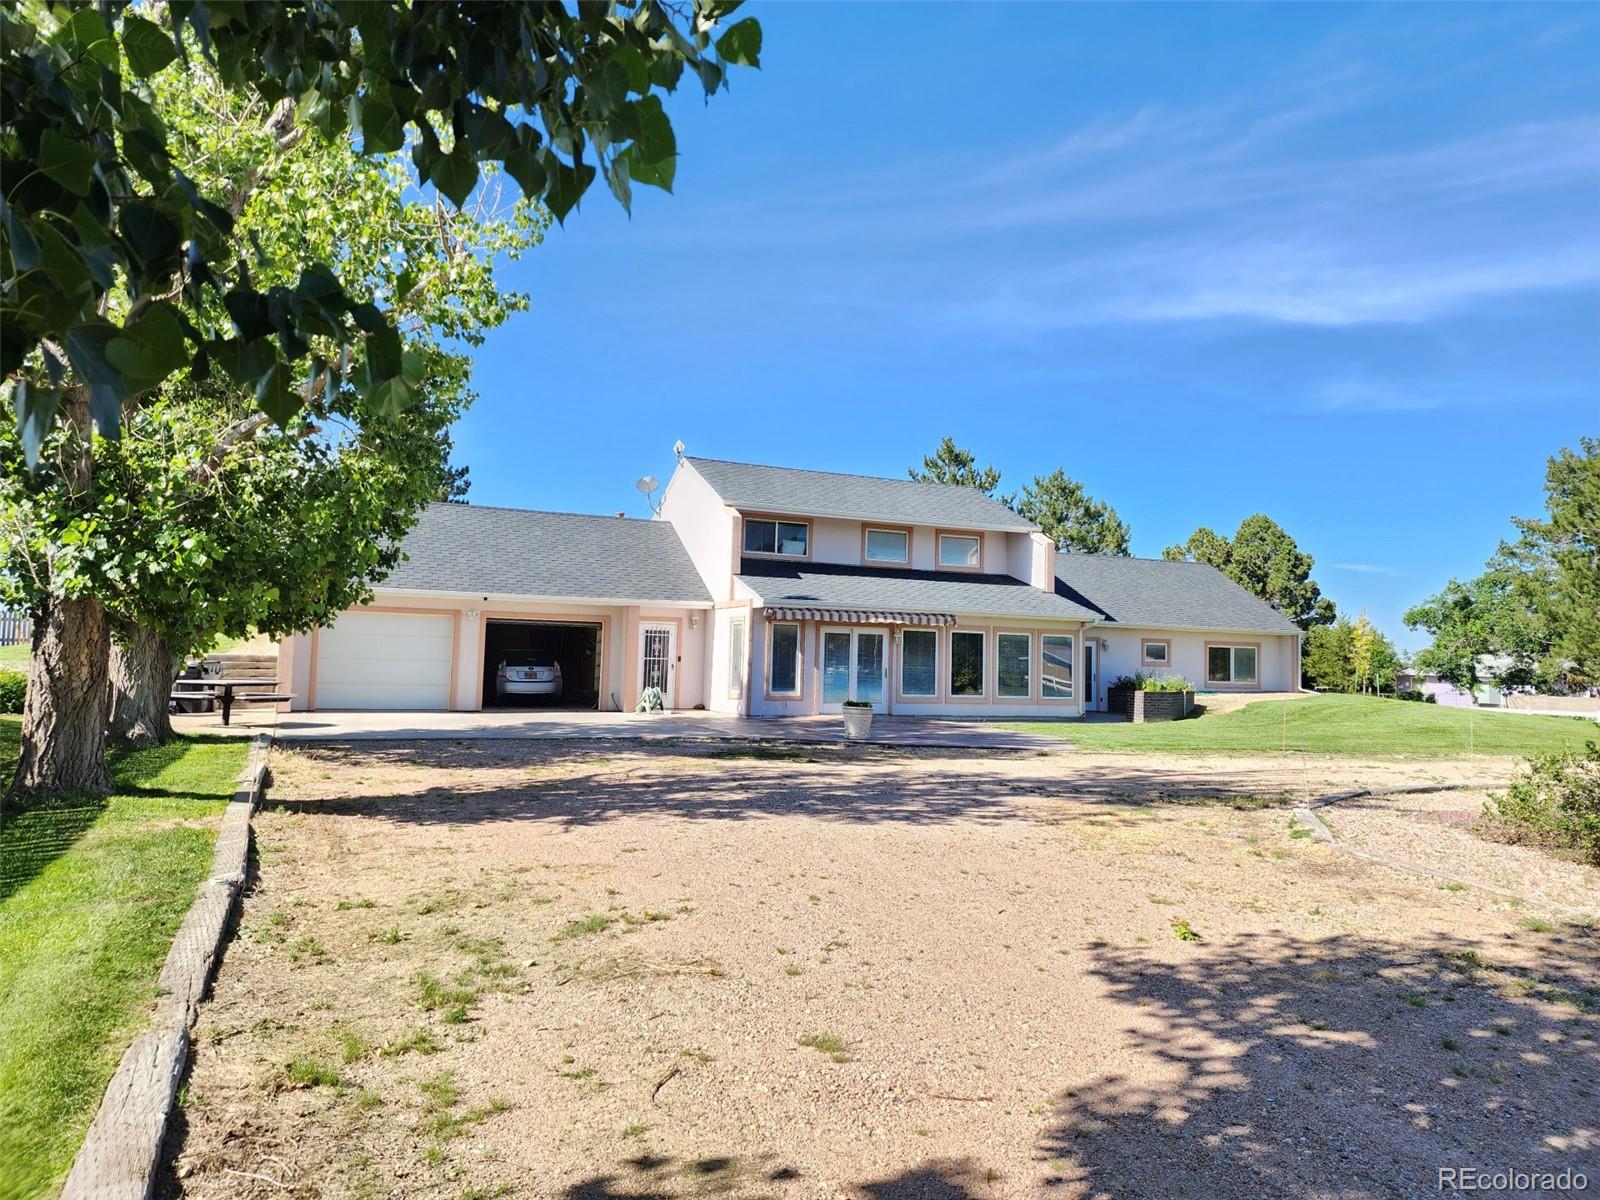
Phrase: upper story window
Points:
(887, 546)
(791, 538)
(960, 551)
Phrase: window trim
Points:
(1144, 652)
(951, 695)
(884, 562)
(934, 696)
(799, 660)
(738, 653)
(746, 519)
(999, 696)
(938, 549)
(1253, 685)
(1072, 685)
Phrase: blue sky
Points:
(1336, 264)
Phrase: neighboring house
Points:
(770, 591)
(1442, 690)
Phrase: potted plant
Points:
(857, 720)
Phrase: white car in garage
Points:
(527, 673)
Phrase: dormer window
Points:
(789, 539)
(887, 546)
(960, 551)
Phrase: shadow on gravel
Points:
(1339, 1067)
(580, 785)
(654, 1177)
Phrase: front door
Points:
(658, 652)
(1091, 676)
(855, 666)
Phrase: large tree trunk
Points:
(63, 749)
(142, 671)
(64, 716)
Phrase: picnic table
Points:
(222, 688)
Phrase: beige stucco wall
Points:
(706, 527)
(620, 666)
(719, 697)
(1277, 663)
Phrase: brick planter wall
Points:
(1141, 706)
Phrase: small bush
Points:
(1554, 803)
(13, 687)
(1140, 682)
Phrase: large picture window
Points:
(919, 662)
(888, 546)
(784, 678)
(1013, 665)
(960, 551)
(789, 538)
(1055, 666)
(736, 652)
(966, 664)
(1231, 664)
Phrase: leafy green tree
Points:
(1263, 559)
(109, 246)
(1075, 520)
(1205, 545)
(951, 464)
(1556, 565)
(122, 270)
(290, 527)
(1350, 656)
(1475, 619)
(1329, 659)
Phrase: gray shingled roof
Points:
(1152, 593)
(515, 551)
(817, 585)
(855, 497)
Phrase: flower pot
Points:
(857, 723)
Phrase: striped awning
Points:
(858, 616)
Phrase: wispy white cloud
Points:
(1235, 209)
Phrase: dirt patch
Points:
(1438, 830)
(475, 969)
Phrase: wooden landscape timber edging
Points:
(122, 1150)
(1321, 831)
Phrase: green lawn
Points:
(90, 896)
(15, 657)
(1354, 725)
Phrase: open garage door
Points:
(541, 664)
(385, 660)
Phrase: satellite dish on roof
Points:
(647, 484)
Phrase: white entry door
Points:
(658, 652)
(855, 666)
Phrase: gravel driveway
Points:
(480, 969)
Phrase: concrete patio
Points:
(408, 726)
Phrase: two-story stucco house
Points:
(771, 591)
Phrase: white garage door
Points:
(384, 660)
